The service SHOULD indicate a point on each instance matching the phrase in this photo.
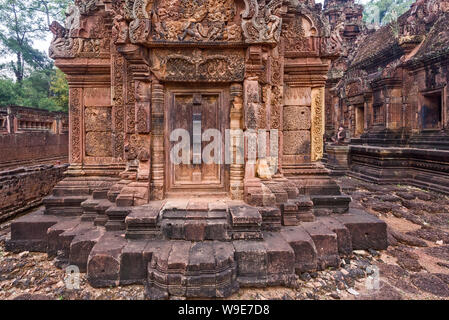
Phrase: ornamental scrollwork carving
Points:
(196, 65)
(86, 7)
(295, 37)
(261, 21)
(62, 44)
(333, 45)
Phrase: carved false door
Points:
(198, 115)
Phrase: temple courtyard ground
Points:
(415, 266)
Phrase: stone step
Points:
(246, 222)
(64, 205)
(101, 218)
(143, 222)
(324, 204)
(326, 244)
(195, 226)
(303, 247)
(343, 235)
(66, 237)
(271, 218)
(29, 232)
(200, 269)
(54, 241)
(103, 265)
(367, 231)
(195, 220)
(116, 218)
(89, 209)
(81, 246)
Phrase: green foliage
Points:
(23, 22)
(385, 11)
(8, 92)
(44, 89)
(30, 78)
(59, 89)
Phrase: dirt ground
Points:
(415, 266)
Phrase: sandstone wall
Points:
(31, 136)
(33, 156)
(31, 148)
(24, 188)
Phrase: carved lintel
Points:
(197, 65)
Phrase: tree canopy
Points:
(29, 77)
(382, 12)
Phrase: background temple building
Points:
(138, 71)
(393, 101)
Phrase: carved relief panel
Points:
(198, 65)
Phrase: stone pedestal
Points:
(337, 159)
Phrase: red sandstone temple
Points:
(127, 213)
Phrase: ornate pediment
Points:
(208, 21)
(175, 21)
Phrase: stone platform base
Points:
(424, 168)
(235, 249)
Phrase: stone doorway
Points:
(359, 120)
(202, 114)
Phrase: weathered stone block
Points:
(133, 266)
(296, 142)
(325, 243)
(343, 234)
(252, 262)
(82, 245)
(367, 231)
(103, 266)
(303, 246)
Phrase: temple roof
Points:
(376, 46)
(436, 43)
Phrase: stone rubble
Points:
(404, 271)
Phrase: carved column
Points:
(237, 170)
(118, 72)
(75, 120)
(157, 147)
(317, 128)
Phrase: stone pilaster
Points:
(157, 147)
(317, 125)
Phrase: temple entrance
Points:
(431, 111)
(359, 120)
(196, 123)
